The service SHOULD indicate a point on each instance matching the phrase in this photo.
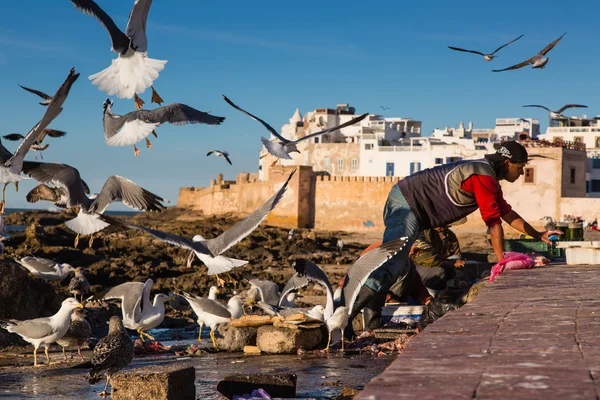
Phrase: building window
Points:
(326, 163)
(595, 185)
(529, 175)
(316, 140)
(596, 162)
(439, 161)
(415, 167)
(354, 164)
(340, 164)
(572, 175)
(578, 139)
(368, 146)
(452, 159)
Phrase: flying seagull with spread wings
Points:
(10, 170)
(45, 98)
(87, 221)
(210, 251)
(537, 61)
(486, 56)
(132, 72)
(128, 129)
(219, 153)
(37, 146)
(558, 113)
(284, 147)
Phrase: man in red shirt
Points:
(438, 197)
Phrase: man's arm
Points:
(497, 238)
(517, 222)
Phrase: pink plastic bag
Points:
(511, 260)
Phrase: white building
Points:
(510, 128)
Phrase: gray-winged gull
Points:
(212, 313)
(128, 129)
(45, 98)
(537, 61)
(10, 170)
(558, 113)
(37, 146)
(79, 284)
(209, 250)
(78, 334)
(139, 313)
(284, 147)
(43, 268)
(486, 56)
(132, 72)
(59, 196)
(220, 153)
(269, 291)
(111, 354)
(116, 188)
(43, 331)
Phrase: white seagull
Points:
(132, 72)
(43, 331)
(486, 56)
(537, 61)
(219, 153)
(209, 250)
(45, 269)
(558, 113)
(116, 188)
(284, 147)
(128, 129)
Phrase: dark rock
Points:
(155, 382)
(276, 385)
(234, 339)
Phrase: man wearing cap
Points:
(439, 196)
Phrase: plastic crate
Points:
(530, 245)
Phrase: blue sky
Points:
(271, 57)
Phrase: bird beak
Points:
(249, 302)
(296, 151)
(79, 305)
(217, 291)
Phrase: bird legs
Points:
(104, 393)
(47, 355)
(76, 240)
(220, 281)
(329, 341)
(142, 334)
(148, 144)
(2, 202)
(214, 340)
(138, 101)
(64, 354)
(79, 352)
(155, 97)
(136, 151)
(91, 240)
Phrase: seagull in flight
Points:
(558, 113)
(537, 61)
(45, 98)
(283, 148)
(128, 129)
(132, 71)
(385, 108)
(37, 146)
(219, 153)
(488, 56)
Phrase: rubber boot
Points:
(372, 311)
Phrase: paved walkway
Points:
(531, 334)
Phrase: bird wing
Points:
(176, 113)
(41, 265)
(504, 45)
(269, 291)
(268, 308)
(129, 293)
(14, 136)
(294, 283)
(546, 49)
(363, 267)
(143, 302)
(211, 152)
(314, 273)
(207, 305)
(516, 66)
(53, 110)
(244, 227)
(37, 92)
(117, 188)
(269, 127)
(226, 156)
(276, 148)
(136, 26)
(44, 193)
(34, 328)
(537, 105)
(54, 133)
(563, 108)
(466, 51)
(120, 41)
(335, 128)
(61, 175)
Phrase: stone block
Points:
(235, 339)
(172, 382)
(252, 350)
(270, 339)
(276, 385)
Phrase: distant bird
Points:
(557, 114)
(209, 250)
(78, 334)
(79, 284)
(132, 72)
(111, 354)
(116, 188)
(212, 313)
(37, 146)
(283, 148)
(43, 331)
(46, 98)
(488, 56)
(385, 108)
(537, 61)
(128, 129)
(11, 168)
(45, 269)
(219, 153)
(139, 314)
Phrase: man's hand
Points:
(545, 235)
(459, 263)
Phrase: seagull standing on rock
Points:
(78, 334)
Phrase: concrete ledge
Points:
(171, 382)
